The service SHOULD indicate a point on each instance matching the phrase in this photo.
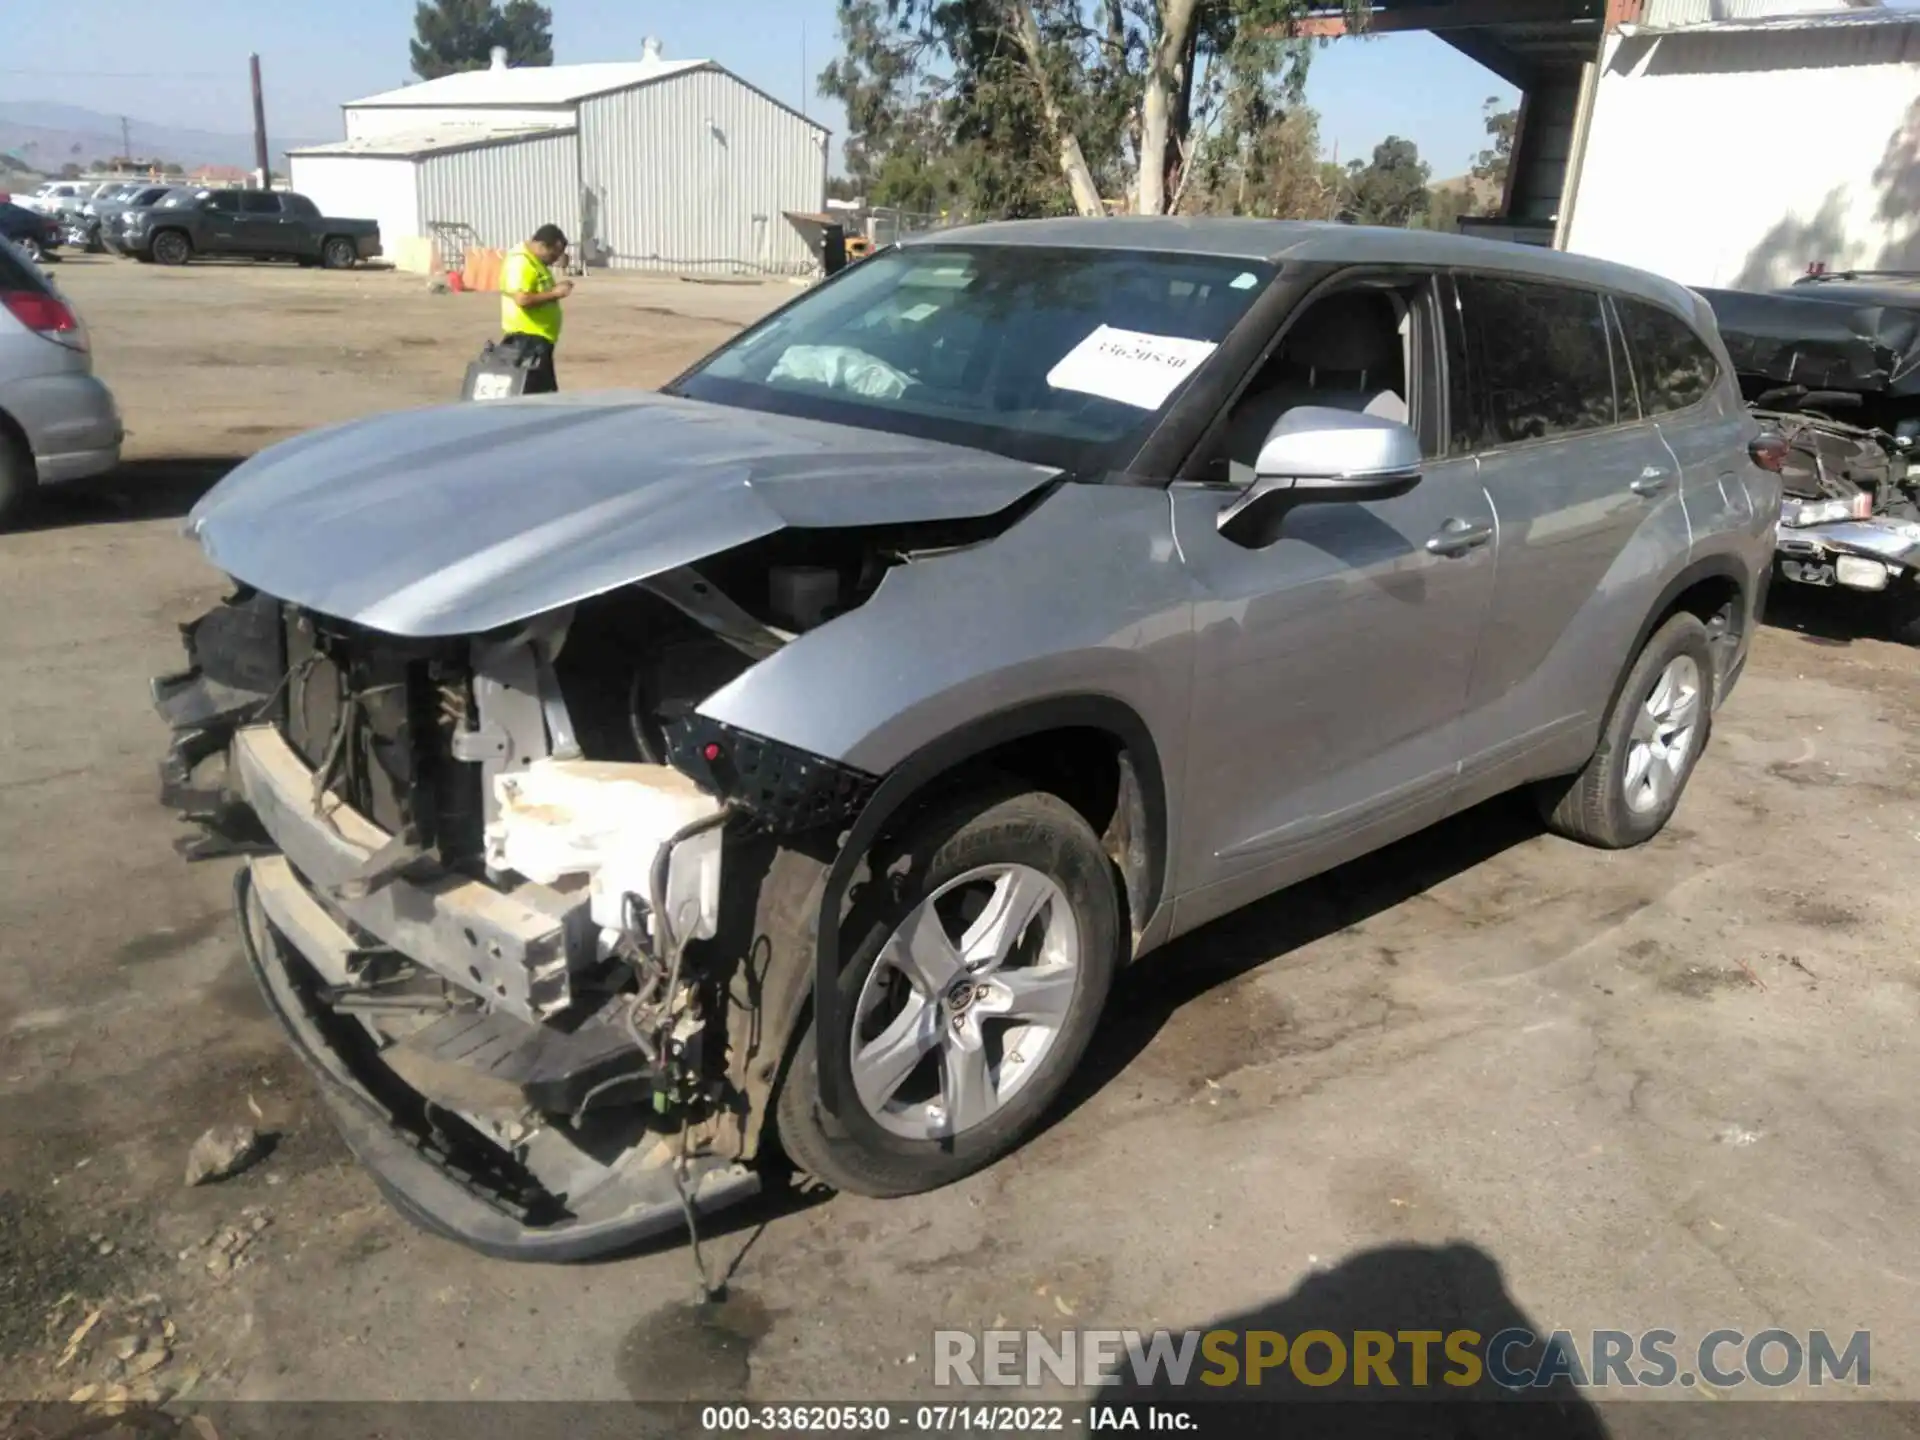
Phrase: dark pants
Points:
(541, 376)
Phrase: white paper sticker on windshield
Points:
(1129, 366)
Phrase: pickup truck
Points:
(261, 224)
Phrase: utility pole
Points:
(260, 127)
(126, 143)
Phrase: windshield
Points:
(1061, 356)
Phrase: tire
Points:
(338, 253)
(1006, 838)
(1903, 612)
(1630, 788)
(171, 247)
(18, 481)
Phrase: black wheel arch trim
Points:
(911, 777)
(1710, 567)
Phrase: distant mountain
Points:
(48, 135)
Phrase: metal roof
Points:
(531, 84)
(413, 144)
(1862, 18)
(1306, 240)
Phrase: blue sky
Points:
(188, 66)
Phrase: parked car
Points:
(56, 197)
(125, 220)
(57, 421)
(261, 224)
(33, 231)
(802, 756)
(1833, 364)
(110, 215)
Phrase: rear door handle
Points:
(1653, 479)
(1457, 537)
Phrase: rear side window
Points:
(1673, 365)
(301, 206)
(1540, 359)
(258, 202)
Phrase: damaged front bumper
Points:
(454, 1119)
(1872, 554)
(463, 991)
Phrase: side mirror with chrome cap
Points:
(1315, 453)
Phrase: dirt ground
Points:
(1483, 1075)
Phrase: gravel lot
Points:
(1483, 1075)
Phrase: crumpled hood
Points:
(467, 517)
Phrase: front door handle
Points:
(1652, 481)
(1457, 537)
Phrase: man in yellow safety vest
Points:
(530, 304)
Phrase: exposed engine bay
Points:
(1851, 512)
(502, 888)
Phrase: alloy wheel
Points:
(965, 999)
(1661, 742)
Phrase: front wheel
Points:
(1649, 745)
(338, 253)
(170, 247)
(972, 985)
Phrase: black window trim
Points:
(1620, 422)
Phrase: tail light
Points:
(46, 315)
(1769, 450)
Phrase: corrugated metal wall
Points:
(362, 187)
(505, 190)
(694, 172)
(1737, 160)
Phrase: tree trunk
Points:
(1165, 84)
(1073, 161)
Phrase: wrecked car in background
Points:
(1832, 364)
(630, 782)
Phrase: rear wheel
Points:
(1652, 738)
(971, 989)
(338, 253)
(171, 247)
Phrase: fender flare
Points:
(910, 777)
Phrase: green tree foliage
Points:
(1501, 128)
(1024, 107)
(1389, 189)
(455, 35)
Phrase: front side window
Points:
(1674, 366)
(226, 203)
(256, 202)
(1540, 359)
(1061, 356)
(180, 200)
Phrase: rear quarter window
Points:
(1673, 365)
(1540, 359)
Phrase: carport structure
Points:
(1547, 49)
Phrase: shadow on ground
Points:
(135, 490)
(1391, 1291)
(1148, 994)
(1827, 615)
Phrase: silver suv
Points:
(631, 780)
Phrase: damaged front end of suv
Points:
(540, 925)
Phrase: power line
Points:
(120, 74)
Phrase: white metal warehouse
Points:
(1736, 151)
(650, 164)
